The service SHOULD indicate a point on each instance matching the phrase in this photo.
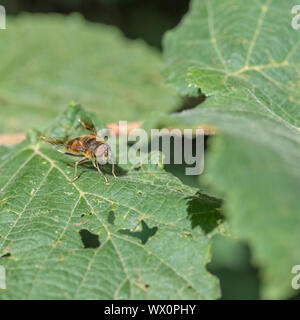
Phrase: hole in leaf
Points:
(111, 217)
(89, 239)
(143, 235)
(203, 212)
(6, 255)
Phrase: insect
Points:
(89, 147)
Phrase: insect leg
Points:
(69, 154)
(95, 163)
(76, 168)
(113, 170)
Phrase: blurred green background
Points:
(34, 89)
(136, 18)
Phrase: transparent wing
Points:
(88, 124)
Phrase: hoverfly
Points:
(89, 147)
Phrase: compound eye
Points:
(105, 154)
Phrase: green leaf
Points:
(136, 238)
(3, 151)
(51, 60)
(232, 42)
(255, 164)
(245, 56)
(231, 264)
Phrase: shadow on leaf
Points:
(88, 166)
